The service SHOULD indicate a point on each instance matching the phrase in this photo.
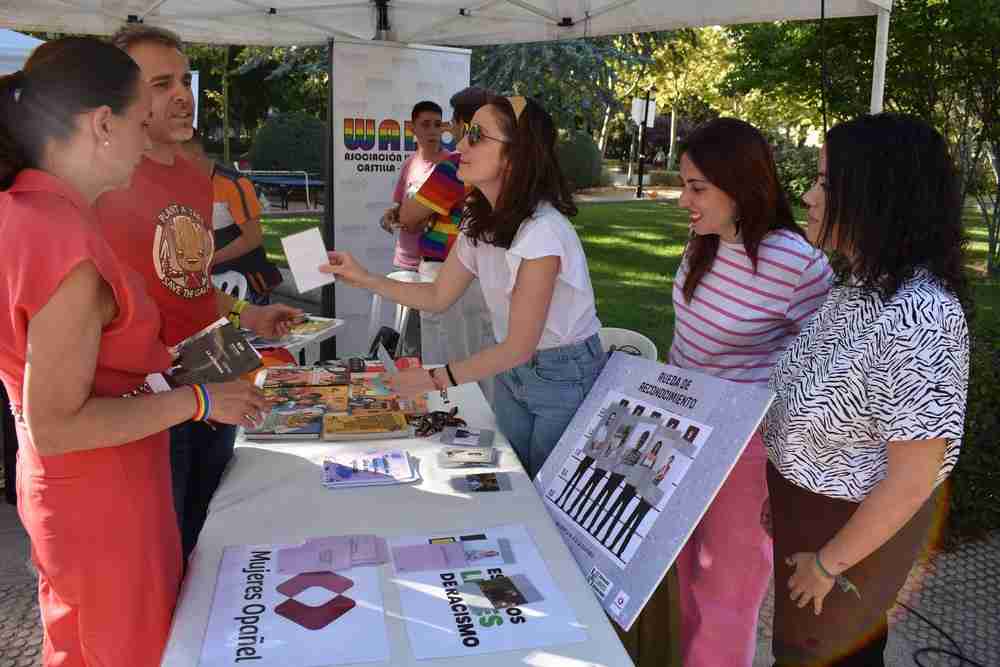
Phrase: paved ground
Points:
(20, 631)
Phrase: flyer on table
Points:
(479, 591)
(638, 466)
(267, 618)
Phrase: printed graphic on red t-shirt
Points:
(182, 251)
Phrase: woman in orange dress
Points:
(78, 338)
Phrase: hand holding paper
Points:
(344, 265)
(305, 252)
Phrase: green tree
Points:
(577, 81)
(974, 26)
(944, 65)
(686, 69)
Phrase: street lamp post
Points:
(642, 143)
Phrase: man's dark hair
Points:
(138, 33)
(465, 103)
(425, 107)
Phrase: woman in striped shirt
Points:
(748, 283)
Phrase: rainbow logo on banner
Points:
(409, 141)
(359, 134)
(388, 135)
(382, 149)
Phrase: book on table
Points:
(295, 424)
(330, 398)
(306, 376)
(373, 467)
(366, 427)
(366, 408)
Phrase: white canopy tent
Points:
(445, 22)
(15, 49)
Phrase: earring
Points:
(107, 143)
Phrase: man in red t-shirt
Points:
(161, 225)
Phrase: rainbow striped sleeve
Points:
(442, 189)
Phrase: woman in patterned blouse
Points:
(870, 403)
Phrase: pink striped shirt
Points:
(740, 321)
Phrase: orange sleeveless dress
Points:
(103, 531)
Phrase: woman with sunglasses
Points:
(517, 241)
(870, 398)
(434, 212)
(79, 338)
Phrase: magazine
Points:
(370, 405)
(369, 384)
(217, 353)
(366, 427)
(374, 467)
(296, 424)
(306, 376)
(300, 333)
(331, 399)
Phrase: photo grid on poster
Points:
(622, 472)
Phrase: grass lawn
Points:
(633, 250)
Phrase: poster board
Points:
(375, 85)
(447, 613)
(637, 468)
(264, 617)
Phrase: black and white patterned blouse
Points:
(864, 373)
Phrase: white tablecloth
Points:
(271, 494)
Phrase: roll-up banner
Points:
(375, 85)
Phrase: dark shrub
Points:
(580, 160)
(290, 141)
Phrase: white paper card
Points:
(306, 253)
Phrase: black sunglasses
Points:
(474, 133)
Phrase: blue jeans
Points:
(198, 457)
(536, 401)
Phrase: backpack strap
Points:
(234, 176)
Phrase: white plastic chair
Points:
(233, 283)
(402, 319)
(618, 337)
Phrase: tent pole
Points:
(328, 348)
(881, 55)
